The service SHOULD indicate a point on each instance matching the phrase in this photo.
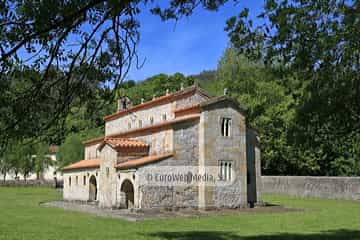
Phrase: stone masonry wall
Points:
(122, 124)
(185, 154)
(320, 187)
(159, 141)
(232, 148)
(78, 191)
(28, 183)
(190, 101)
(108, 178)
(91, 151)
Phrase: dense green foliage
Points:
(24, 218)
(24, 158)
(72, 150)
(70, 46)
(314, 48)
(154, 86)
(297, 74)
(269, 108)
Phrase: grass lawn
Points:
(23, 218)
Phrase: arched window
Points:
(151, 120)
(225, 127)
(225, 170)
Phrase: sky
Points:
(190, 46)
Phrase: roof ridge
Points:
(181, 92)
(143, 129)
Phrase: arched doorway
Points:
(128, 188)
(92, 188)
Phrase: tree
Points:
(72, 150)
(315, 42)
(41, 159)
(53, 39)
(269, 109)
(13, 156)
(26, 159)
(4, 166)
(156, 85)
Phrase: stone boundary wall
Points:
(347, 188)
(30, 183)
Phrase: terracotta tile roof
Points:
(124, 142)
(142, 161)
(88, 163)
(160, 100)
(145, 129)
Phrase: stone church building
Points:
(185, 128)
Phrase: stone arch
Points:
(128, 188)
(92, 188)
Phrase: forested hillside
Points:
(297, 73)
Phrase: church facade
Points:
(181, 129)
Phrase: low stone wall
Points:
(31, 183)
(321, 187)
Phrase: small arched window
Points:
(225, 127)
(225, 170)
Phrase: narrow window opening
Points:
(230, 168)
(225, 127)
(140, 124)
(164, 117)
(76, 180)
(84, 180)
(69, 181)
(151, 120)
(225, 170)
(221, 171)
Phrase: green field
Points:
(23, 218)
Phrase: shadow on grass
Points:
(201, 235)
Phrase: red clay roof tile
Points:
(160, 100)
(143, 129)
(88, 163)
(124, 142)
(142, 161)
